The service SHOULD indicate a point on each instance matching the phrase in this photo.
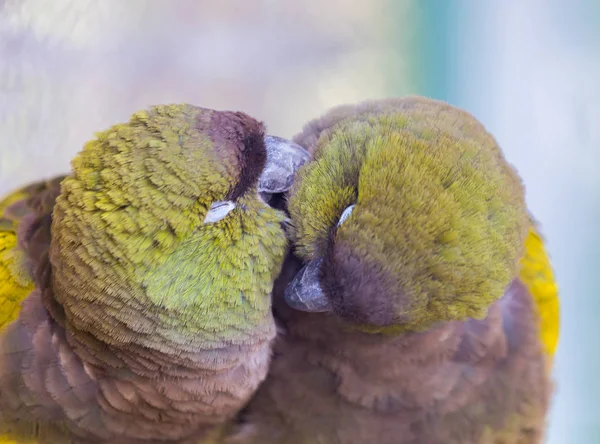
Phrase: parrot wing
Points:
(537, 275)
(25, 217)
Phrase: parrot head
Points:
(167, 212)
(406, 215)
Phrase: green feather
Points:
(130, 235)
(437, 207)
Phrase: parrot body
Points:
(420, 305)
(135, 292)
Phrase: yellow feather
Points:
(536, 273)
(15, 284)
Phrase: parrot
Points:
(135, 292)
(418, 303)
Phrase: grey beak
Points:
(304, 293)
(284, 157)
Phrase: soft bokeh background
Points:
(528, 70)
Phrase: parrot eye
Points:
(347, 212)
(218, 210)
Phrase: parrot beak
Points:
(304, 293)
(284, 158)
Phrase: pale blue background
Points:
(530, 71)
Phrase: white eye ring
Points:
(347, 212)
(218, 210)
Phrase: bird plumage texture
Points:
(135, 294)
(431, 317)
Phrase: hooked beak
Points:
(304, 293)
(284, 158)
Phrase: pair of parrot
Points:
(194, 280)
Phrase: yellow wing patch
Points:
(536, 273)
(15, 285)
(7, 440)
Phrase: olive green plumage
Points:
(152, 267)
(406, 315)
(138, 197)
(448, 211)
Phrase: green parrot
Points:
(135, 292)
(420, 305)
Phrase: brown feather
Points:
(472, 382)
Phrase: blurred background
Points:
(528, 70)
